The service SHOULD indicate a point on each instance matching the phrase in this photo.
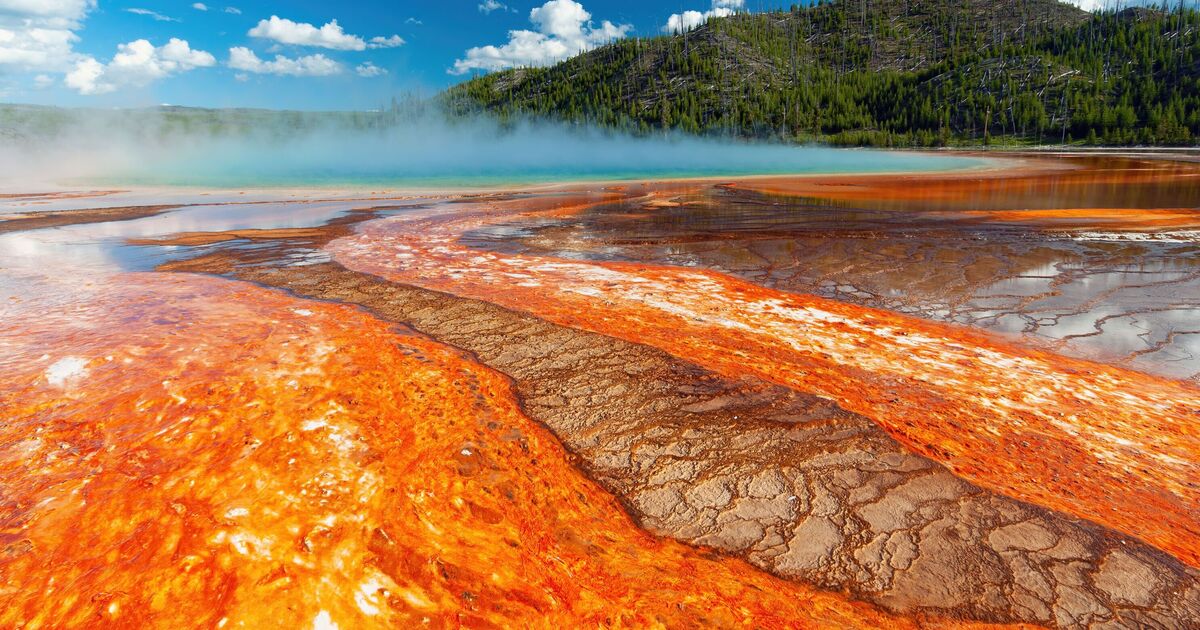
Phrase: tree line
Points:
(883, 73)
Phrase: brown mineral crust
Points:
(39, 220)
(192, 239)
(784, 479)
(789, 481)
(223, 455)
(24, 221)
(1019, 272)
(1095, 441)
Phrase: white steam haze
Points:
(232, 149)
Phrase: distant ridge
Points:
(884, 72)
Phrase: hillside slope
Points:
(889, 72)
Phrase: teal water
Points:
(469, 162)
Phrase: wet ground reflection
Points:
(1052, 257)
(182, 449)
(122, 244)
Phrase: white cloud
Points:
(158, 17)
(487, 6)
(36, 48)
(233, 10)
(43, 81)
(368, 69)
(286, 31)
(38, 35)
(86, 77)
(688, 20)
(59, 14)
(386, 42)
(330, 36)
(200, 6)
(414, 21)
(564, 29)
(136, 63)
(242, 58)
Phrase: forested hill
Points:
(884, 72)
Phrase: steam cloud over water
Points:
(247, 148)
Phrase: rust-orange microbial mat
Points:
(1009, 418)
(293, 438)
(245, 459)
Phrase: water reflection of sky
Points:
(1112, 295)
(1130, 295)
(102, 247)
(1147, 312)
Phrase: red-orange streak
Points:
(1033, 183)
(1113, 446)
(1108, 218)
(190, 452)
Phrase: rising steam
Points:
(242, 148)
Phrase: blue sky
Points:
(300, 54)
(231, 53)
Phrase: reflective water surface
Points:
(180, 449)
(1102, 262)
